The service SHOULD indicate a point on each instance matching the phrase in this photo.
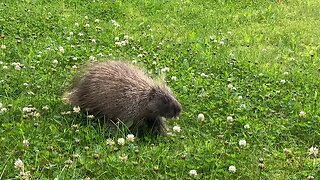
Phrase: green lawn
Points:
(251, 68)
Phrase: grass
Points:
(268, 50)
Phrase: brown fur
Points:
(119, 91)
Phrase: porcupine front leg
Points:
(157, 125)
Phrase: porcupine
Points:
(117, 91)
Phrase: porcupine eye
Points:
(165, 101)
(168, 108)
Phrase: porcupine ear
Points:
(152, 93)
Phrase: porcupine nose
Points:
(177, 110)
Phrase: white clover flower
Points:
(90, 116)
(93, 41)
(74, 126)
(193, 173)
(92, 58)
(26, 109)
(80, 34)
(247, 126)
(201, 117)
(30, 93)
(76, 156)
(87, 25)
(140, 55)
(17, 67)
(96, 20)
(25, 175)
(19, 164)
(86, 17)
(283, 81)
(239, 97)
(76, 24)
(3, 46)
(232, 169)
(123, 43)
(113, 22)
(68, 162)
(46, 107)
(121, 141)
(15, 64)
(76, 109)
(203, 75)
(302, 114)
(134, 61)
(310, 177)
(286, 73)
(176, 129)
(231, 87)
(71, 33)
(242, 143)
(25, 142)
(313, 151)
(221, 43)
(126, 37)
(243, 106)
(3, 110)
(118, 43)
(4, 67)
(165, 69)
(74, 67)
(35, 114)
(123, 158)
(66, 113)
(61, 49)
(130, 137)
(230, 119)
(110, 142)
(173, 78)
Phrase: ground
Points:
(250, 68)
